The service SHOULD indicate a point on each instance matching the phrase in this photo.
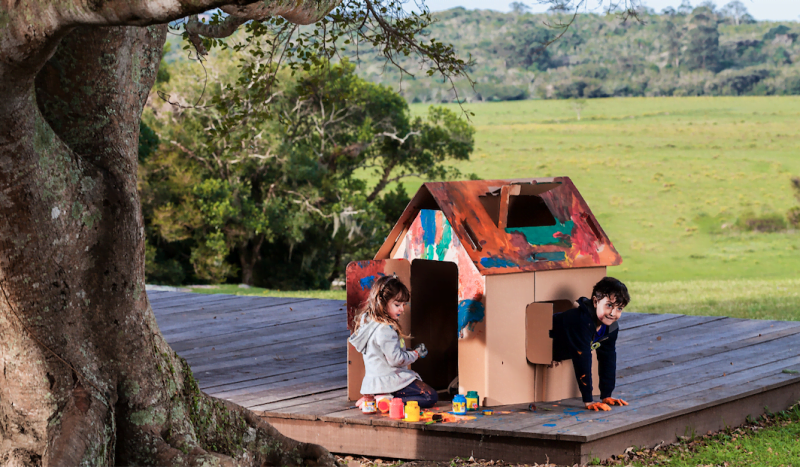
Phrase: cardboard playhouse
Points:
(488, 262)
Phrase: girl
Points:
(378, 336)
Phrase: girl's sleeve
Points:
(389, 343)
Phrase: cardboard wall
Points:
(510, 379)
(360, 276)
(558, 381)
(434, 321)
(567, 284)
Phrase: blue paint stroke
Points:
(428, 221)
(551, 256)
(366, 282)
(495, 262)
(469, 313)
(549, 424)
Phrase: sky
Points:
(771, 10)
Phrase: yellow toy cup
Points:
(412, 411)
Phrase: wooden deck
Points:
(285, 358)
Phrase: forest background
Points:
(688, 188)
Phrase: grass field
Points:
(666, 177)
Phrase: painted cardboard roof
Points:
(517, 225)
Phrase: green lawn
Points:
(666, 177)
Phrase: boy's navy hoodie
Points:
(574, 332)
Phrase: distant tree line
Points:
(687, 51)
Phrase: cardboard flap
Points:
(360, 275)
(538, 324)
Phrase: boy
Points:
(592, 326)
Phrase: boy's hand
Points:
(612, 401)
(421, 350)
(597, 406)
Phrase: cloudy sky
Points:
(773, 10)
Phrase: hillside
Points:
(680, 53)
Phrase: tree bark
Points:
(249, 254)
(87, 378)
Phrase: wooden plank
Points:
(306, 330)
(766, 344)
(233, 324)
(340, 394)
(278, 393)
(676, 343)
(247, 369)
(676, 359)
(278, 353)
(713, 418)
(237, 306)
(166, 305)
(231, 327)
(651, 331)
(225, 340)
(656, 393)
(227, 391)
(644, 320)
(433, 442)
(766, 380)
(661, 404)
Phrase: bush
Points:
(769, 222)
(793, 216)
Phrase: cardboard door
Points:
(538, 324)
(360, 275)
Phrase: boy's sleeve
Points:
(607, 364)
(579, 341)
(387, 340)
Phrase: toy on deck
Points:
(460, 405)
(382, 402)
(472, 400)
(396, 409)
(368, 405)
(412, 411)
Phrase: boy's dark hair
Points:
(613, 289)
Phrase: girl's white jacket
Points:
(385, 361)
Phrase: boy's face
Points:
(395, 309)
(607, 310)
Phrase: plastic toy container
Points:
(460, 405)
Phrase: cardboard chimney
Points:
(488, 262)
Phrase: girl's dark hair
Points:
(612, 288)
(383, 289)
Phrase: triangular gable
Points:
(485, 226)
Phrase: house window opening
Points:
(434, 321)
(528, 211)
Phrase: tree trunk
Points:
(87, 378)
(249, 254)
